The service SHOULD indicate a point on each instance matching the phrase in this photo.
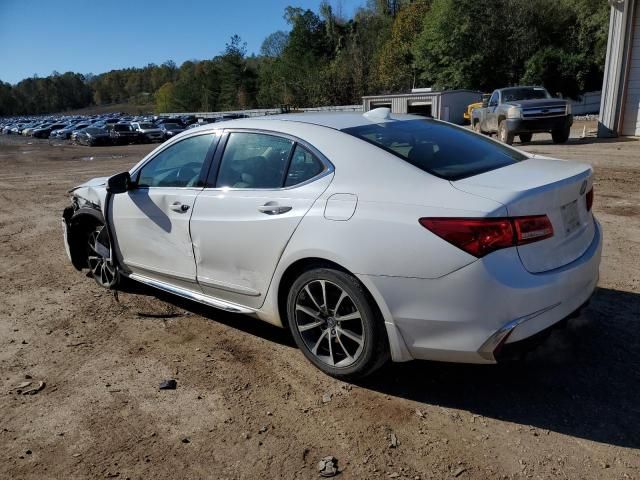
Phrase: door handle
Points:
(273, 208)
(179, 207)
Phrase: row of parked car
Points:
(111, 129)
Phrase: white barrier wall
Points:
(588, 103)
(259, 112)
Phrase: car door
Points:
(260, 187)
(492, 117)
(151, 221)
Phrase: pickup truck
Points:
(523, 111)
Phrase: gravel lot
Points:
(248, 405)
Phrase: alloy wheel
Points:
(329, 323)
(99, 259)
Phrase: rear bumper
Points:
(469, 315)
(539, 125)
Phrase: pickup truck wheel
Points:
(504, 134)
(525, 137)
(560, 136)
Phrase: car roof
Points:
(335, 120)
(519, 87)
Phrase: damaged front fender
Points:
(77, 224)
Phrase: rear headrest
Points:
(421, 154)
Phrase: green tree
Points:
(164, 97)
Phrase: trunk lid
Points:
(542, 186)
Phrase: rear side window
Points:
(304, 166)
(438, 148)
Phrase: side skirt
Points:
(190, 295)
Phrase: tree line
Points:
(386, 46)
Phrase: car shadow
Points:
(244, 323)
(574, 141)
(583, 381)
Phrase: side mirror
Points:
(119, 183)
(485, 104)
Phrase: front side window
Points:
(493, 101)
(304, 166)
(438, 148)
(179, 165)
(254, 160)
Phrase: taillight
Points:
(589, 197)
(532, 229)
(481, 236)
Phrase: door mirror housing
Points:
(485, 104)
(119, 183)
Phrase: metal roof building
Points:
(448, 105)
(620, 107)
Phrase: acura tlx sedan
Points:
(369, 237)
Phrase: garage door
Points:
(631, 120)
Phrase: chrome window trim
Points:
(329, 167)
(168, 144)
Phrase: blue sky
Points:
(40, 36)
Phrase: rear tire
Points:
(336, 324)
(525, 137)
(504, 134)
(561, 135)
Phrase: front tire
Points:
(504, 134)
(101, 266)
(336, 324)
(561, 135)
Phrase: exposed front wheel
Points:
(561, 135)
(101, 266)
(504, 134)
(335, 324)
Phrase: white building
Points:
(620, 107)
(447, 105)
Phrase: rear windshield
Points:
(438, 148)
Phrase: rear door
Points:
(491, 118)
(260, 187)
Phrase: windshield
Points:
(437, 147)
(171, 125)
(146, 125)
(525, 93)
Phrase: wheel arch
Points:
(293, 271)
(397, 346)
(79, 223)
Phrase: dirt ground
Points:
(248, 405)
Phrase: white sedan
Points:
(368, 236)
